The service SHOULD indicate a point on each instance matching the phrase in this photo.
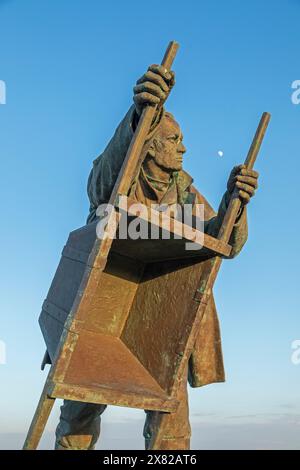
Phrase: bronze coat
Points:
(206, 361)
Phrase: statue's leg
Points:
(79, 425)
(174, 428)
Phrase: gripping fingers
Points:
(151, 88)
(154, 78)
(145, 98)
(245, 172)
(245, 188)
(160, 70)
(167, 75)
(248, 180)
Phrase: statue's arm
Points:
(245, 182)
(152, 88)
(213, 221)
(240, 229)
(107, 166)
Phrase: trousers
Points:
(80, 423)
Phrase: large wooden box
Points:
(121, 331)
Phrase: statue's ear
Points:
(156, 146)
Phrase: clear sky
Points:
(69, 68)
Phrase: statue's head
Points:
(165, 147)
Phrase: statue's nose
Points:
(181, 148)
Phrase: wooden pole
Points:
(209, 276)
(135, 148)
(235, 202)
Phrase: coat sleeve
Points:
(107, 166)
(206, 361)
(213, 221)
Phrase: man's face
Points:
(168, 147)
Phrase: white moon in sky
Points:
(220, 153)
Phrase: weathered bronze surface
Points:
(128, 322)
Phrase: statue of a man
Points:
(161, 180)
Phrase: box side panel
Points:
(162, 317)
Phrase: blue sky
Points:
(69, 68)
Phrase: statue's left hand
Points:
(245, 181)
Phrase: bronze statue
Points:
(162, 180)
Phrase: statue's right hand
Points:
(153, 87)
